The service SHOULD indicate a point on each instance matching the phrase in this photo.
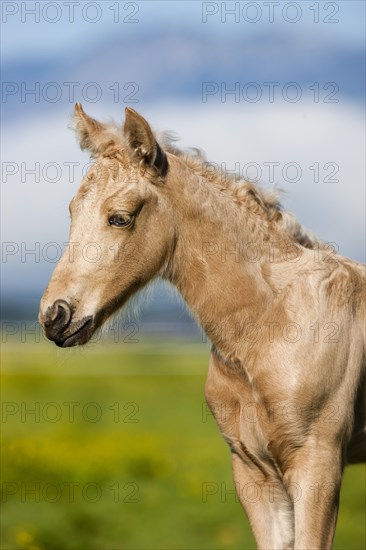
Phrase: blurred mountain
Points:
(169, 64)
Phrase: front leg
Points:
(267, 505)
(314, 481)
(258, 484)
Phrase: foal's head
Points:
(122, 229)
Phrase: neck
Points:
(218, 265)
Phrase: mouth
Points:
(80, 336)
(80, 332)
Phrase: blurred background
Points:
(112, 446)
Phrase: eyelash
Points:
(120, 220)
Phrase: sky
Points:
(201, 69)
(27, 29)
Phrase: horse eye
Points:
(119, 220)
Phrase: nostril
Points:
(58, 315)
(59, 308)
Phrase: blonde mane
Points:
(265, 202)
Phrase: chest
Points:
(237, 409)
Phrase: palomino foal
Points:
(285, 316)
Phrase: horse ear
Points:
(142, 143)
(93, 135)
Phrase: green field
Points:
(120, 452)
